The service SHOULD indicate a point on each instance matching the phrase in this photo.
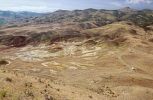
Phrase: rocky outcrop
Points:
(37, 38)
(14, 41)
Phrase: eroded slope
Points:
(112, 62)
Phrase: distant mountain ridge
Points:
(97, 16)
(10, 16)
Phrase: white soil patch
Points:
(54, 63)
(53, 71)
(35, 55)
(35, 69)
(73, 68)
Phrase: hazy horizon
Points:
(50, 6)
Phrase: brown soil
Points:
(85, 69)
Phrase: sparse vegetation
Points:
(3, 62)
(2, 21)
(8, 79)
(3, 94)
(78, 55)
(28, 84)
(29, 93)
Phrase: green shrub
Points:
(3, 94)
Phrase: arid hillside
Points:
(73, 60)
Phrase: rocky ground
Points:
(113, 62)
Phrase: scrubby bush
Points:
(3, 62)
(3, 94)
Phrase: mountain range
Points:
(10, 16)
(98, 16)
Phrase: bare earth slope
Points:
(113, 62)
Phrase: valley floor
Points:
(76, 72)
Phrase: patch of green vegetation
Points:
(3, 94)
(142, 19)
(2, 21)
